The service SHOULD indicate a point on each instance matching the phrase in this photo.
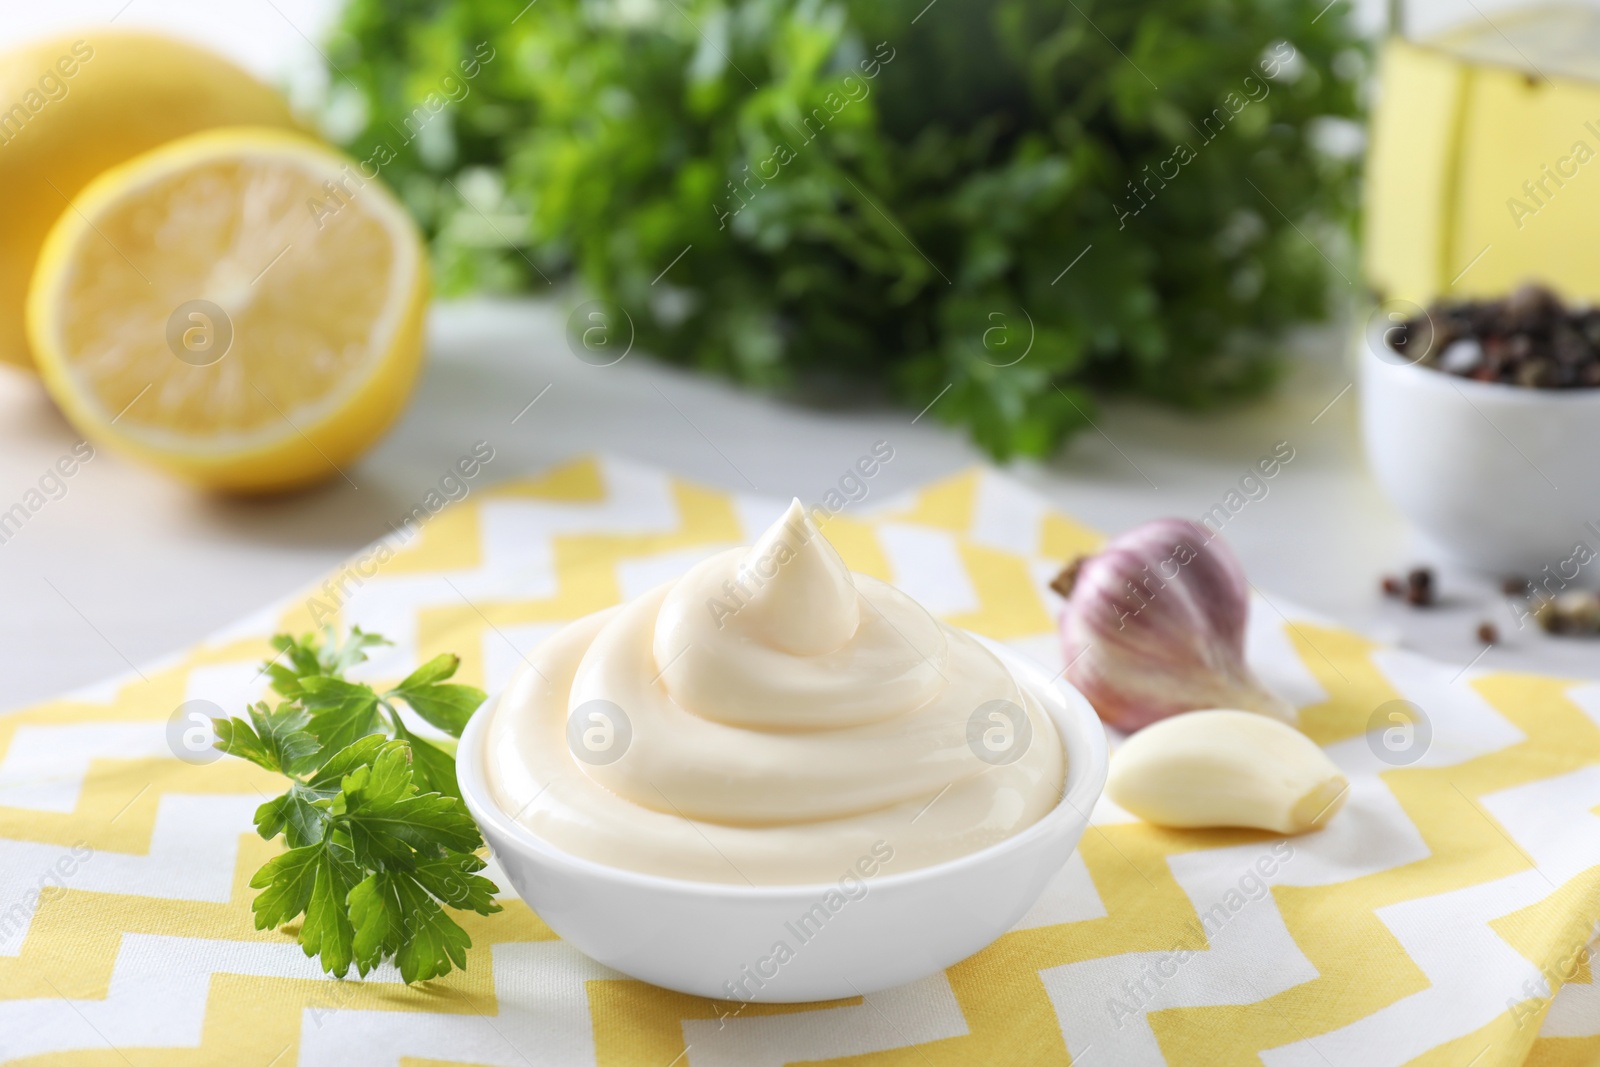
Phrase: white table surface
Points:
(130, 566)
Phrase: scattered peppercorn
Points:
(1514, 587)
(1526, 338)
(1419, 587)
(1577, 612)
(1392, 586)
(1488, 634)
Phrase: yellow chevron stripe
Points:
(858, 544)
(640, 1025)
(1341, 662)
(75, 935)
(1062, 539)
(74, 938)
(1009, 607)
(1564, 1052)
(578, 481)
(949, 504)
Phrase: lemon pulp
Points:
(241, 306)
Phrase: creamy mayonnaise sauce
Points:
(769, 718)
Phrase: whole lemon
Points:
(76, 105)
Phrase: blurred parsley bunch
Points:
(883, 195)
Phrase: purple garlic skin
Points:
(1155, 625)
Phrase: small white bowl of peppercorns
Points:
(1481, 420)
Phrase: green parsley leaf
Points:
(299, 660)
(300, 815)
(360, 753)
(341, 712)
(286, 884)
(316, 656)
(353, 651)
(313, 881)
(436, 669)
(284, 679)
(446, 706)
(454, 879)
(276, 740)
(327, 931)
(388, 819)
(377, 917)
(434, 768)
(380, 843)
(394, 914)
(433, 941)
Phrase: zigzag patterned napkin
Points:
(1445, 917)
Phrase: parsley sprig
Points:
(379, 840)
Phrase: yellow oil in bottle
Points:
(1484, 165)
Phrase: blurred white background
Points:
(130, 566)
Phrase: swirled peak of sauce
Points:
(770, 718)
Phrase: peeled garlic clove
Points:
(1155, 624)
(1226, 768)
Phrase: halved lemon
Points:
(75, 105)
(242, 307)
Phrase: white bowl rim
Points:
(1083, 786)
(1499, 392)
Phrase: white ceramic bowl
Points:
(698, 937)
(1500, 478)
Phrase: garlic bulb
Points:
(1226, 768)
(1154, 625)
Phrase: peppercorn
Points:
(1514, 586)
(1392, 586)
(1419, 587)
(1488, 634)
(1575, 612)
(1527, 338)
